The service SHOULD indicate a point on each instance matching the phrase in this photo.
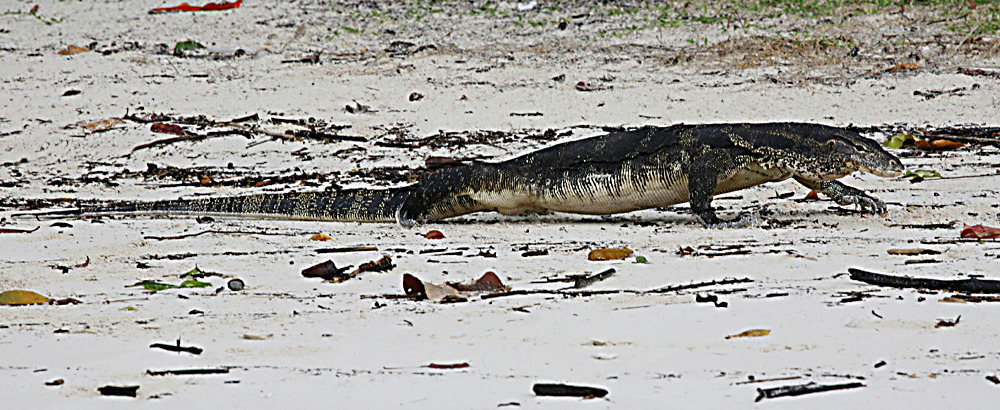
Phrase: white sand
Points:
(326, 346)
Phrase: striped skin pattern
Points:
(620, 172)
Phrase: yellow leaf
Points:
(22, 297)
(609, 254)
(751, 333)
(320, 237)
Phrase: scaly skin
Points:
(619, 172)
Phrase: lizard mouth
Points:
(887, 172)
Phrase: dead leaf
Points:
(751, 333)
(489, 282)
(326, 270)
(947, 322)
(320, 237)
(685, 251)
(96, 126)
(413, 287)
(166, 128)
(22, 297)
(608, 254)
(449, 292)
(937, 145)
(71, 49)
(979, 232)
(812, 196)
(904, 66)
(435, 234)
(439, 292)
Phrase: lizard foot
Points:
(713, 222)
(866, 203)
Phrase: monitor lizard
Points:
(619, 172)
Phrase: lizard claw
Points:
(866, 203)
(713, 222)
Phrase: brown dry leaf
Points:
(937, 145)
(608, 254)
(904, 66)
(439, 292)
(166, 128)
(322, 237)
(435, 234)
(979, 232)
(413, 287)
(489, 282)
(812, 196)
(96, 126)
(22, 297)
(71, 49)
(948, 322)
(751, 333)
(326, 270)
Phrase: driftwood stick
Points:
(186, 372)
(800, 389)
(674, 288)
(973, 285)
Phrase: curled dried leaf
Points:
(751, 333)
(22, 297)
(980, 232)
(608, 254)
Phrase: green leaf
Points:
(898, 140)
(194, 284)
(923, 173)
(198, 273)
(153, 286)
(641, 259)
(188, 45)
(129, 309)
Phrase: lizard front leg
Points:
(706, 171)
(846, 195)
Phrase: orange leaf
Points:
(751, 333)
(980, 232)
(812, 196)
(609, 254)
(938, 145)
(435, 234)
(945, 145)
(904, 66)
(71, 49)
(320, 237)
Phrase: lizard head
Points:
(819, 152)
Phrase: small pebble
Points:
(236, 285)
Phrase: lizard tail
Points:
(347, 205)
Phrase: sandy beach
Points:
(308, 96)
